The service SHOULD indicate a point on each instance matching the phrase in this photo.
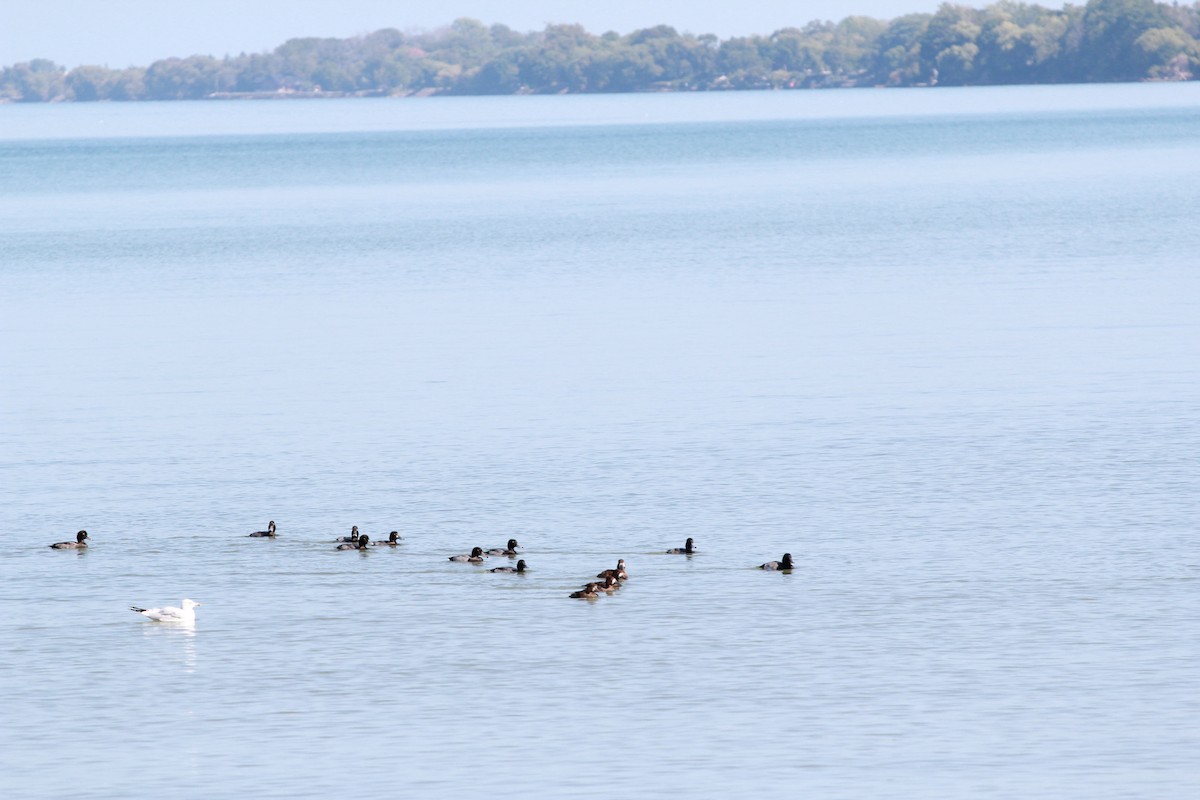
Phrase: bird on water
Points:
(784, 564)
(476, 557)
(170, 613)
(619, 572)
(510, 550)
(80, 541)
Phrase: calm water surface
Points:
(942, 347)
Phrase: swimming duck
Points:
(520, 567)
(269, 532)
(687, 548)
(352, 538)
(619, 573)
(170, 613)
(80, 541)
(363, 542)
(610, 585)
(511, 550)
(392, 540)
(785, 563)
(476, 556)
(588, 592)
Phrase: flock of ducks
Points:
(610, 580)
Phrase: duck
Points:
(392, 540)
(610, 585)
(520, 567)
(363, 542)
(476, 556)
(619, 573)
(589, 592)
(80, 541)
(511, 550)
(170, 613)
(687, 548)
(784, 563)
(352, 538)
(269, 532)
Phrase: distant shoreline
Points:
(1104, 41)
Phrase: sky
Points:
(122, 33)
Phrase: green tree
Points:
(1110, 28)
(297, 60)
(556, 63)
(741, 61)
(188, 78)
(897, 60)
(89, 83)
(797, 52)
(258, 73)
(501, 75)
(662, 57)
(34, 81)
(1006, 42)
(948, 47)
(852, 44)
(505, 38)
(400, 70)
(467, 42)
(128, 84)
(1169, 53)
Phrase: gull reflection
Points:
(185, 632)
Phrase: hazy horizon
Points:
(127, 33)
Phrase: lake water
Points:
(941, 346)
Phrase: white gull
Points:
(170, 613)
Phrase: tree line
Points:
(1004, 43)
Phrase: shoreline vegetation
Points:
(1003, 43)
